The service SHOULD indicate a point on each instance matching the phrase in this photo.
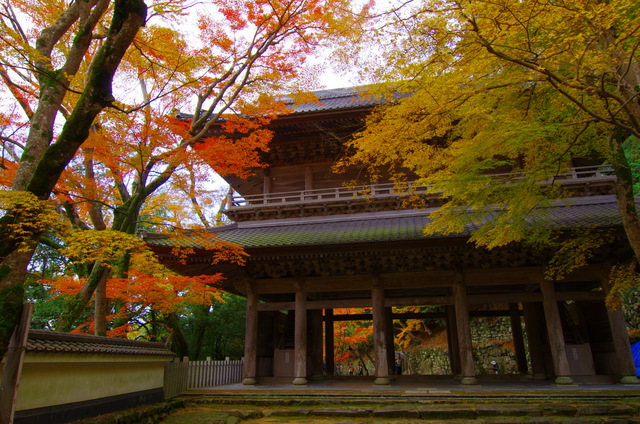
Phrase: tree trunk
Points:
(178, 341)
(624, 191)
(55, 82)
(200, 330)
(128, 17)
(74, 306)
(100, 310)
(12, 275)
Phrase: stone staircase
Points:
(538, 408)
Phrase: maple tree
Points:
(416, 331)
(46, 78)
(353, 340)
(60, 87)
(522, 87)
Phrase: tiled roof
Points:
(380, 227)
(336, 99)
(53, 341)
(328, 100)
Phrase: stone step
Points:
(266, 398)
(479, 411)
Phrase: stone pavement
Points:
(542, 412)
(419, 385)
(408, 399)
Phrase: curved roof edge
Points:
(382, 227)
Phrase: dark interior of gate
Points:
(318, 247)
(589, 345)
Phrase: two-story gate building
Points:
(316, 245)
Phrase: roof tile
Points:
(383, 227)
(335, 99)
(53, 341)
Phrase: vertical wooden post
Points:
(267, 181)
(518, 338)
(328, 342)
(251, 339)
(300, 344)
(452, 342)
(13, 366)
(379, 337)
(389, 340)
(316, 344)
(464, 330)
(625, 364)
(554, 330)
(532, 324)
(308, 178)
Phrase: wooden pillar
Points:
(625, 365)
(518, 338)
(390, 341)
(300, 343)
(379, 337)
(316, 344)
(330, 365)
(452, 341)
(308, 178)
(464, 331)
(532, 323)
(267, 181)
(251, 339)
(12, 365)
(554, 330)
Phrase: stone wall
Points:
(492, 341)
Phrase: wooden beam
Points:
(300, 342)
(277, 306)
(251, 340)
(554, 330)
(339, 303)
(267, 179)
(13, 366)
(502, 276)
(625, 364)
(379, 338)
(329, 342)
(416, 279)
(580, 295)
(421, 315)
(419, 301)
(532, 320)
(420, 279)
(353, 317)
(476, 299)
(316, 344)
(492, 298)
(321, 284)
(452, 342)
(518, 338)
(308, 178)
(464, 331)
(389, 342)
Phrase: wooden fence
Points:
(181, 376)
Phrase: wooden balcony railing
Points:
(327, 194)
(578, 179)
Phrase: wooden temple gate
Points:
(523, 289)
(316, 246)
